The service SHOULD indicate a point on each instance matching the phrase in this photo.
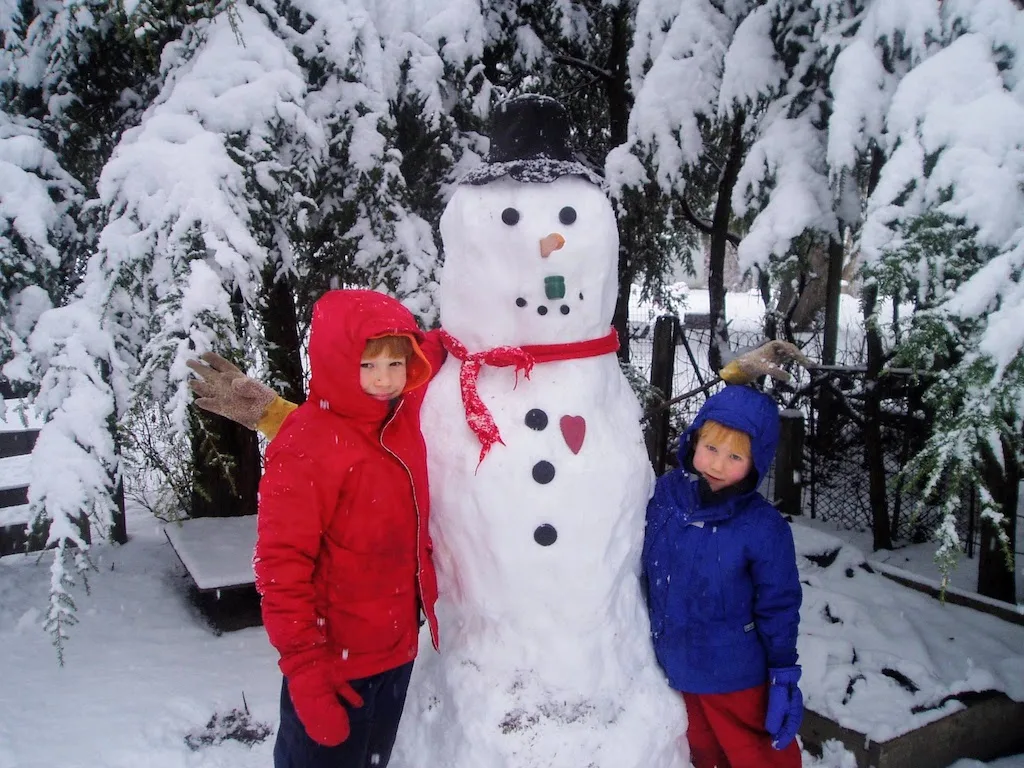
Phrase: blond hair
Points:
(733, 440)
(393, 346)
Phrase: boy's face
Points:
(719, 464)
(382, 377)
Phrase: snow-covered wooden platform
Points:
(216, 551)
(990, 725)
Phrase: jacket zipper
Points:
(416, 505)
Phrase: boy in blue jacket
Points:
(723, 590)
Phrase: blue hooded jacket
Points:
(723, 590)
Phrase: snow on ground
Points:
(874, 653)
(142, 670)
(745, 310)
(144, 675)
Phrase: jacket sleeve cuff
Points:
(784, 675)
(272, 418)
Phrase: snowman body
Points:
(546, 659)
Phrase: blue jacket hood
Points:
(745, 409)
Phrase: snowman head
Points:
(528, 262)
(530, 239)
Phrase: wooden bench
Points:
(15, 452)
(217, 554)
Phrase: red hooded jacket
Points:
(343, 556)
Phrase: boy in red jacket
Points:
(342, 555)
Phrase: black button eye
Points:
(510, 216)
(567, 215)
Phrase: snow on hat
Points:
(530, 142)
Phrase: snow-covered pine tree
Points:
(175, 209)
(362, 231)
(578, 52)
(40, 239)
(828, 70)
(68, 79)
(680, 138)
(258, 136)
(38, 236)
(874, 48)
(945, 230)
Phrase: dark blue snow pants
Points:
(374, 727)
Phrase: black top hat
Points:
(530, 142)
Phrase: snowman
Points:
(539, 481)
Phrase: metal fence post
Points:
(789, 464)
(663, 357)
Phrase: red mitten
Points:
(343, 688)
(314, 691)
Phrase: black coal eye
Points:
(567, 215)
(510, 216)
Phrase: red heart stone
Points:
(574, 429)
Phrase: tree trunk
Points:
(281, 331)
(833, 294)
(771, 314)
(118, 526)
(226, 463)
(226, 467)
(620, 320)
(874, 455)
(118, 532)
(620, 102)
(996, 577)
(719, 241)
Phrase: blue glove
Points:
(785, 706)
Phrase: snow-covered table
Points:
(216, 551)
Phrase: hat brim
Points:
(537, 170)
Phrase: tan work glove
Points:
(766, 360)
(224, 389)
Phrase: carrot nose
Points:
(550, 244)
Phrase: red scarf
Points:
(523, 359)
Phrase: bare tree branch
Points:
(586, 66)
(701, 225)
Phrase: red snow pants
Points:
(726, 730)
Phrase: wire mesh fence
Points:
(836, 479)
(837, 466)
(692, 369)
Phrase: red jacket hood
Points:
(343, 321)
